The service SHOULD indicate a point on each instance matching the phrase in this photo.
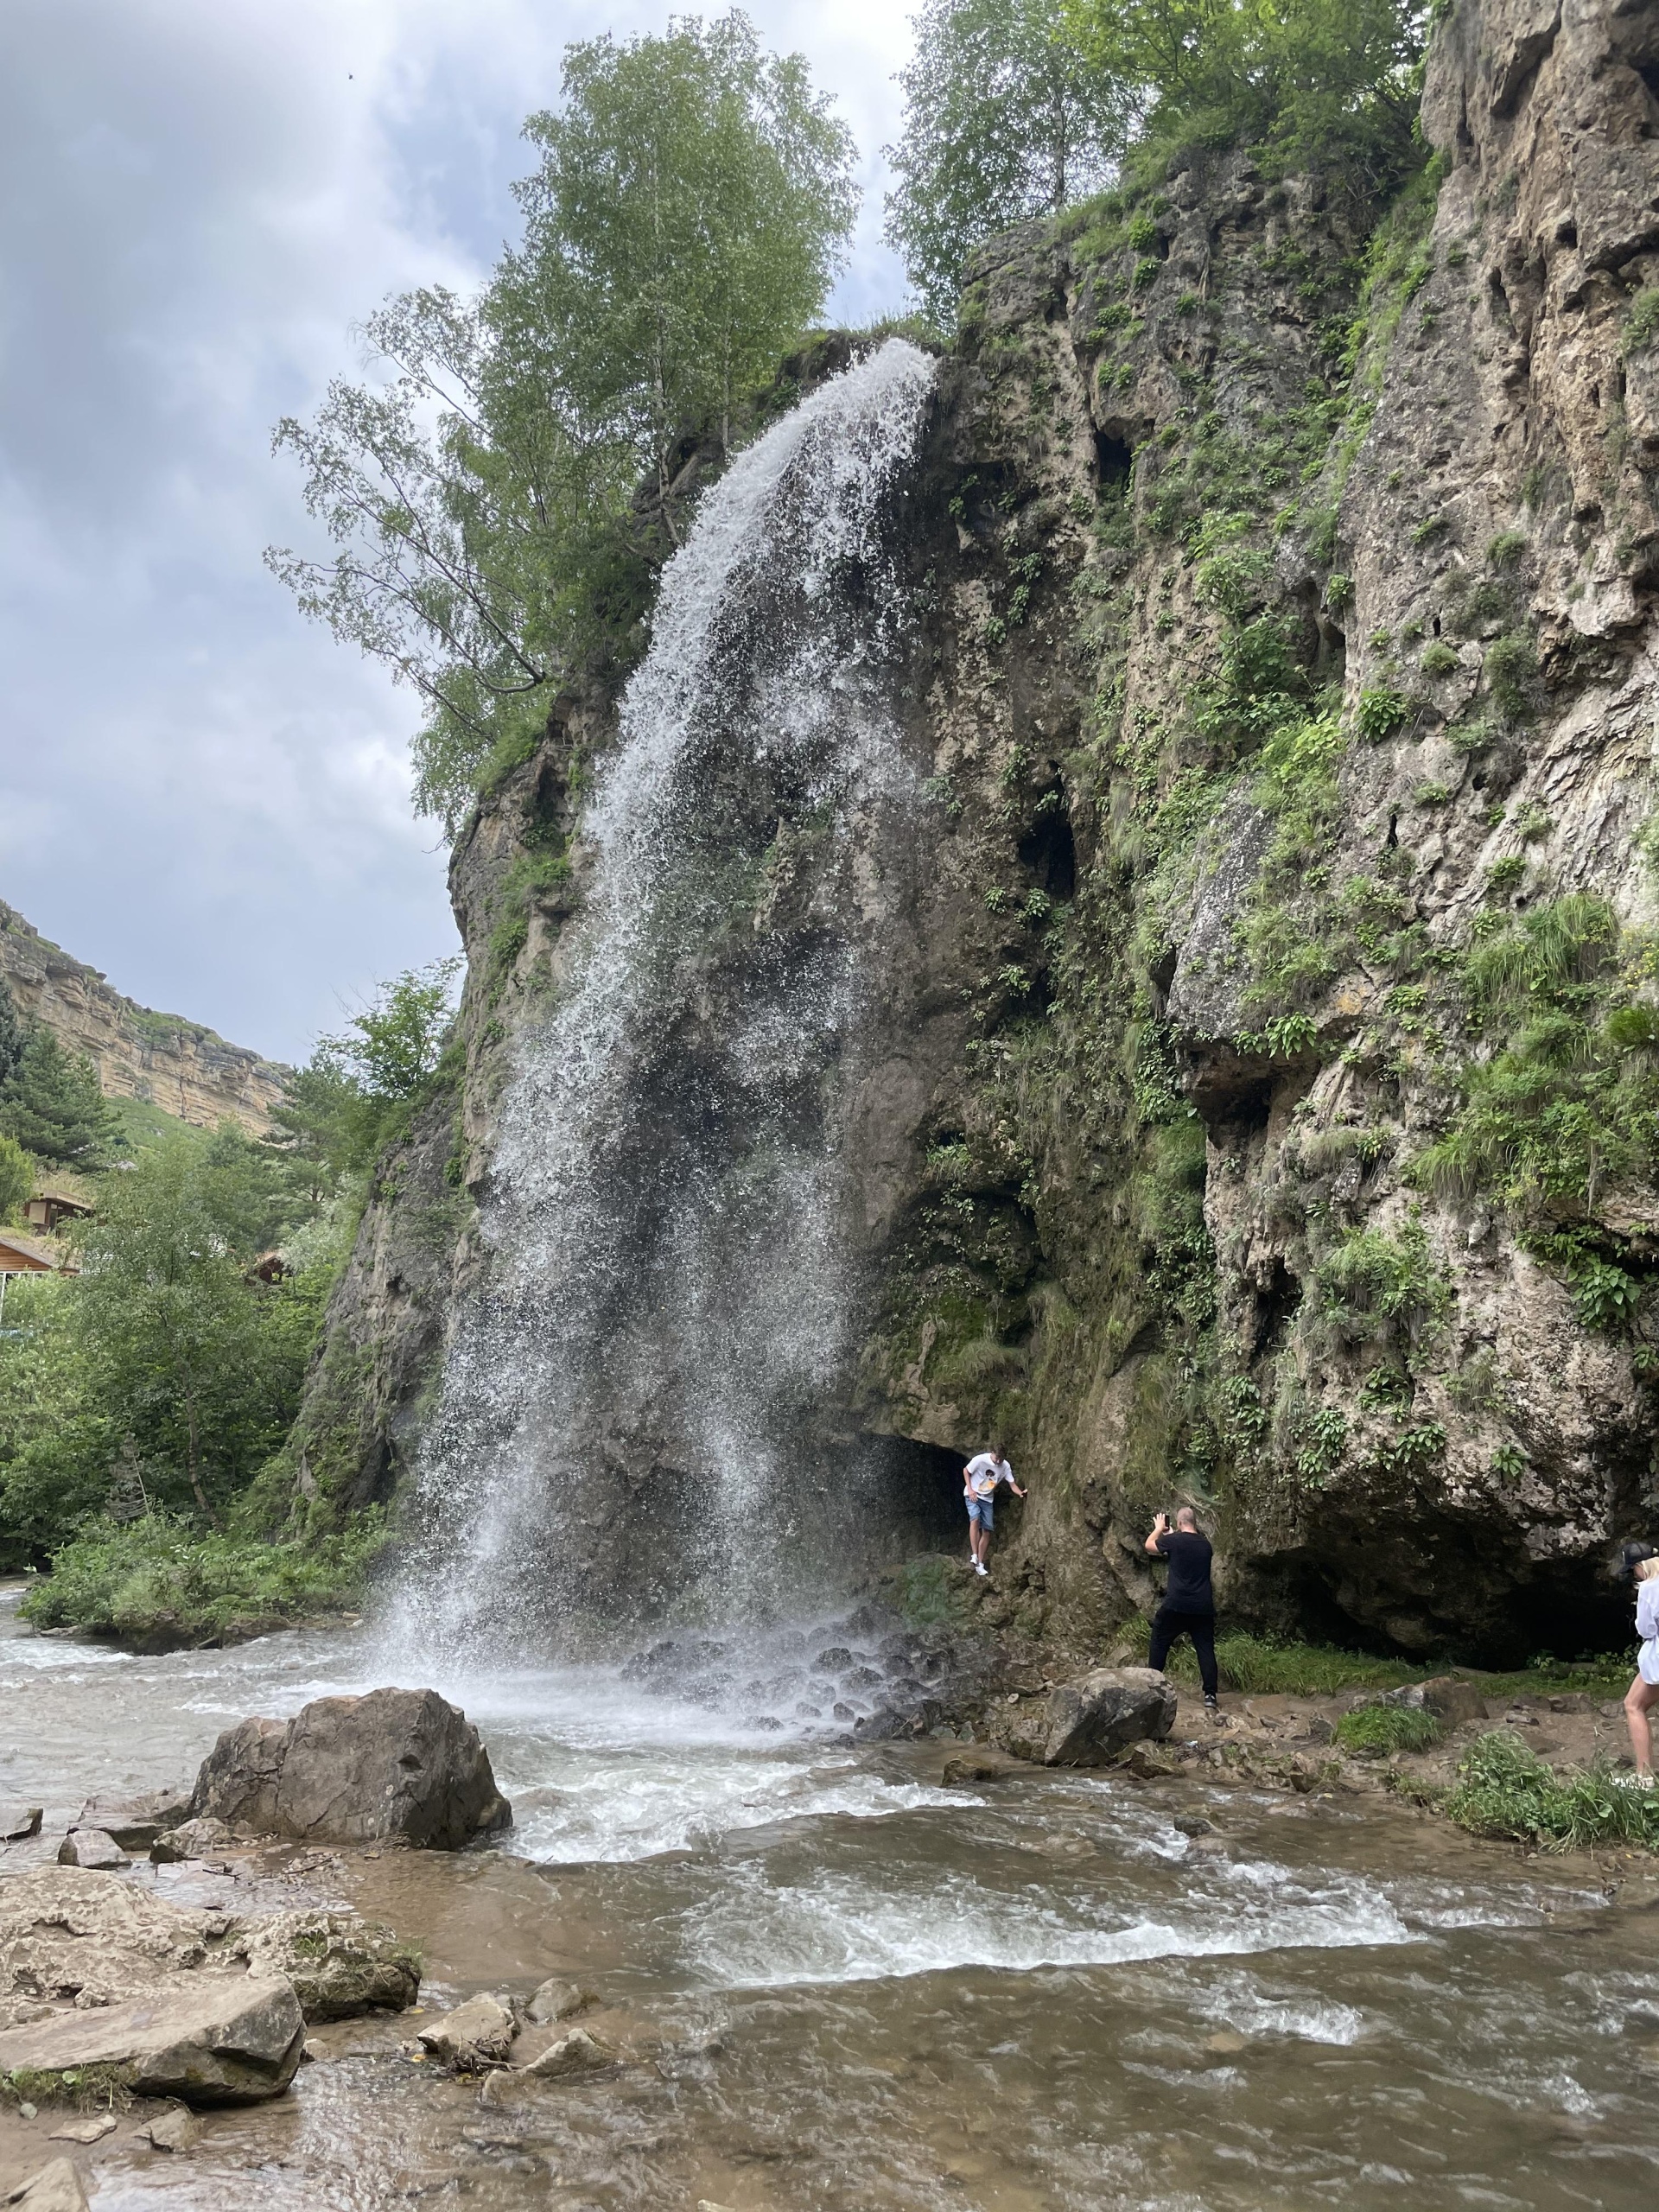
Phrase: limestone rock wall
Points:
(1283, 562)
(176, 1065)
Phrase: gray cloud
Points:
(199, 792)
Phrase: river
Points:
(847, 1988)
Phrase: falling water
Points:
(633, 1419)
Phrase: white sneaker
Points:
(980, 1568)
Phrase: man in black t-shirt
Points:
(1189, 1606)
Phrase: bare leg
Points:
(1639, 1699)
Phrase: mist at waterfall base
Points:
(636, 1420)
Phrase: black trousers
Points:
(1166, 1627)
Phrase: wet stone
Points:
(17, 1822)
(476, 2034)
(93, 1849)
(57, 2188)
(558, 2000)
(571, 2055)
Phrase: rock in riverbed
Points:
(1085, 1722)
(135, 1822)
(71, 1937)
(57, 2188)
(578, 2052)
(209, 2038)
(397, 1764)
(475, 2035)
(340, 1966)
(92, 1848)
(95, 1971)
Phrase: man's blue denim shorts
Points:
(979, 1509)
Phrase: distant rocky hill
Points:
(178, 1066)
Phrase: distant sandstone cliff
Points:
(160, 1057)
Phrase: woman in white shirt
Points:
(1643, 1692)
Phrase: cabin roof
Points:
(28, 1256)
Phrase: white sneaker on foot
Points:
(980, 1567)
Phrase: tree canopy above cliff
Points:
(685, 223)
(1014, 108)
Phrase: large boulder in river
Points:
(399, 1765)
(1088, 1720)
(209, 2038)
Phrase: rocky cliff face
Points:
(176, 1065)
(1260, 1106)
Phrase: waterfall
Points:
(632, 1422)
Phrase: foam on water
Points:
(838, 1927)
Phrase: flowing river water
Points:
(842, 1984)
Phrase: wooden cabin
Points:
(47, 1208)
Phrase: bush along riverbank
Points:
(159, 1585)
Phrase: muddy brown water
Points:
(835, 1984)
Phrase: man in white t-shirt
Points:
(979, 1480)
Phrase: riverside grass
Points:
(1255, 1666)
(1505, 1790)
(157, 1574)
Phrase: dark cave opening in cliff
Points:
(1449, 1600)
(1114, 460)
(1049, 850)
(920, 1488)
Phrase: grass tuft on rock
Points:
(1376, 1730)
(1504, 1789)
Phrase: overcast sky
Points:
(199, 793)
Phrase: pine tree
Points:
(52, 1106)
(13, 1034)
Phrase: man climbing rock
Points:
(979, 1480)
(1189, 1606)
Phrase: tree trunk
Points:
(192, 1464)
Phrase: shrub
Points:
(1376, 1730)
(1505, 875)
(1370, 1283)
(1504, 1789)
(1428, 530)
(1504, 551)
(1642, 326)
(126, 1582)
(1440, 658)
(1338, 592)
(1511, 672)
(1380, 713)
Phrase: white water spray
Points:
(627, 1405)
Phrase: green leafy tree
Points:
(16, 1177)
(1330, 83)
(356, 1088)
(683, 227)
(57, 1445)
(196, 1362)
(51, 1103)
(1005, 119)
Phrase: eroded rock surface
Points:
(340, 1966)
(209, 2038)
(394, 1765)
